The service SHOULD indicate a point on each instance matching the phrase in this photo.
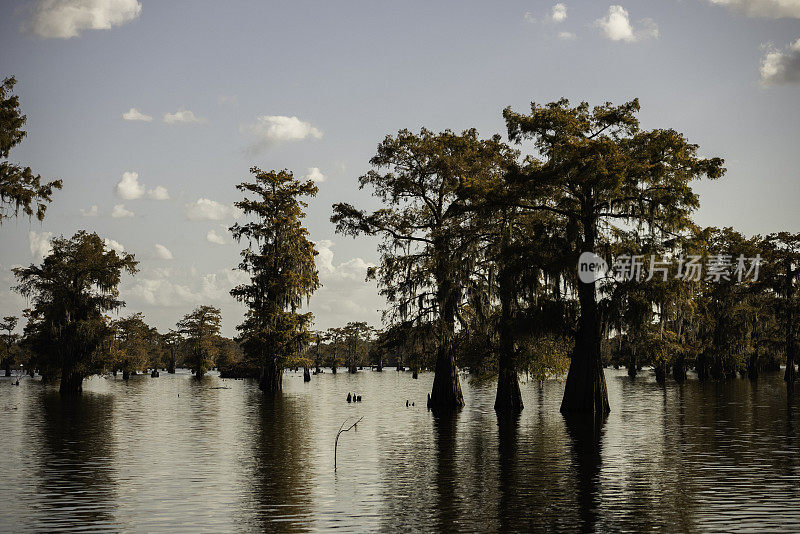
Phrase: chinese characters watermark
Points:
(691, 268)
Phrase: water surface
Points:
(175, 454)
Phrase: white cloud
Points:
(558, 13)
(213, 237)
(113, 245)
(781, 67)
(566, 36)
(529, 18)
(271, 129)
(40, 244)
(158, 193)
(172, 287)
(344, 290)
(205, 209)
(129, 187)
(163, 252)
(135, 115)
(617, 26)
(315, 175)
(120, 212)
(763, 8)
(182, 116)
(91, 212)
(62, 19)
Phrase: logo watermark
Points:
(691, 268)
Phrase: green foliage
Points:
(200, 329)
(20, 188)
(280, 261)
(70, 292)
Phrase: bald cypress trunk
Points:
(509, 396)
(585, 391)
(446, 392)
(71, 382)
(306, 374)
(271, 377)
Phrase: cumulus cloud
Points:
(182, 116)
(158, 193)
(272, 129)
(558, 13)
(63, 19)
(763, 8)
(617, 26)
(135, 115)
(120, 212)
(344, 289)
(566, 36)
(163, 252)
(781, 66)
(315, 175)
(179, 288)
(213, 237)
(91, 212)
(110, 244)
(40, 244)
(129, 187)
(205, 209)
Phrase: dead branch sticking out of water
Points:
(342, 429)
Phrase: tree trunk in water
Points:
(752, 366)
(154, 374)
(679, 369)
(585, 391)
(126, 374)
(702, 367)
(446, 392)
(271, 378)
(632, 370)
(380, 364)
(509, 396)
(7, 366)
(791, 372)
(71, 383)
(171, 366)
(333, 369)
(306, 375)
(660, 369)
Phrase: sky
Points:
(152, 112)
